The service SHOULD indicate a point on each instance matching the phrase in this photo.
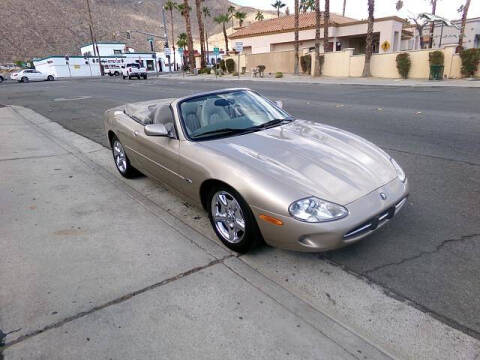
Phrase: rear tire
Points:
(116, 73)
(145, 77)
(24, 79)
(121, 160)
(232, 220)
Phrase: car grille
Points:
(375, 222)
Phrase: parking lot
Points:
(427, 257)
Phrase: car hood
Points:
(312, 158)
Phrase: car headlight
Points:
(399, 170)
(314, 210)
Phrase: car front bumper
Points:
(366, 215)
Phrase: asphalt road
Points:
(430, 253)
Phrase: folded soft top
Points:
(150, 112)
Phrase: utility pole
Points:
(166, 39)
(94, 40)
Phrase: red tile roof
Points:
(285, 24)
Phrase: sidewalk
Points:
(93, 269)
(287, 78)
(97, 266)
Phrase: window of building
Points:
(116, 52)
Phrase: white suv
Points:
(134, 70)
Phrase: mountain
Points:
(59, 27)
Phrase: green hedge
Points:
(470, 59)
(230, 63)
(404, 64)
(436, 57)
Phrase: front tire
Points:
(232, 219)
(24, 79)
(121, 160)
(50, 78)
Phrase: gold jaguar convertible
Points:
(260, 173)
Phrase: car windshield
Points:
(134, 66)
(229, 113)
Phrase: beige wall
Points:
(275, 61)
(345, 64)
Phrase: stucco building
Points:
(344, 32)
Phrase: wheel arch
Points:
(111, 136)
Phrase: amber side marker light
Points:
(271, 219)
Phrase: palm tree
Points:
(464, 21)
(206, 12)
(259, 16)
(278, 5)
(182, 40)
(240, 16)
(306, 5)
(432, 25)
(170, 6)
(369, 42)
(316, 71)
(230, 12)
(295, 68)
(223, 19)
(326, 20)
(185, 11)
(201, 28)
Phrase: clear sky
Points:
(358, 8)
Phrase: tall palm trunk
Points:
(173, 41)
(369, 42)
(295, 69)
(226, 39)
(344, 6)
(206, 40)
(464, 21)
(191, 55)
(432, 25)
(316, 70)
(326, 20)
(198, 5)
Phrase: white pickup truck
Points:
(134, 70)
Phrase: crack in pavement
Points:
(433, 156)
(113, 302)
(422, 253)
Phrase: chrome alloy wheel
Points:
(228, 217)
(119, 156)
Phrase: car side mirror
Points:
(279, 103)
(156, 130)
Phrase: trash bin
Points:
(195, 71)
(436, 72)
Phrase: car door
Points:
(37, 75)
(159, 157)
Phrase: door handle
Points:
(135, 133)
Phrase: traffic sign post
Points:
(239, 49)
(216, 51)
(180, 52)
(168, 55)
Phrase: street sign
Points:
(239, 46)
(167, 51)
(216, 50)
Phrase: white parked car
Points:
(134, 70)
(30, 75)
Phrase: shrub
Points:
(261, 69)
(470, 59)
(230, 63)
(235, 73)
(436, 57)
(278, 74)
(403, 64)
(222, 65)
(306, 63)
